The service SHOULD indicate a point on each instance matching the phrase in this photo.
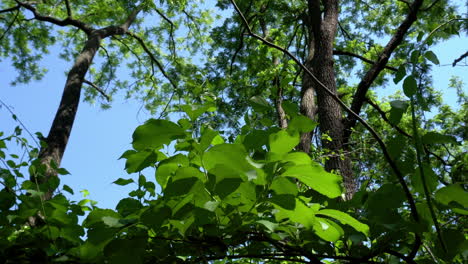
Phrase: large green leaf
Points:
(299, 212)
(97, 215)
(233, 156)
(155, 133)
(283, 142)
(301, 124)
(452, 193)
(437, 138)
(429, 176)
(317, 178)
(345, 218)
(259, 103)
(328, 230)
(139, 160)
(227, 180)
(168, 167)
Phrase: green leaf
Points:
(301, 213)
(139, 160)
(437, 138)
(432, 57)
(429, 176)
(316, 178)
(168, 167)
(297, 158)
(346, 219)
(410, 86)
(233, 156)
(259, 104)
(194, 111)
(328, 230)
(97, 215)
(123, 182)
(269, 225)
(155, 133)
(282, 142)
(400, 74)
(301, 124)
(155, 216)
(211, 205)
(68, 189)
(112, 221)
(399, 107)
(121, 251)
(281, 185)
(62, 171)
(227, 180)
(452, 193)
(128, 206)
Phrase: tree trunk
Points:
(51, 155)
(62, 125)
(323, 30)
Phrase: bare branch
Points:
(97, 89)
(335, 97)
(347, 53)
(459, 59)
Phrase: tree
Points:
(259, 191)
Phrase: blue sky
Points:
(99, 137)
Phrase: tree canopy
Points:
(269, 141)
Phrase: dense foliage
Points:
(231, 181)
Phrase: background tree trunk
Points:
(323, 30)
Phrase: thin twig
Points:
(97, 89)
(153, 58)
(9, 25)
(19, 121)
(347, 53)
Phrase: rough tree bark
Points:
(322, 28)
(61, 128)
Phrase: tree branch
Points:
(97, 89)
(400, 130)
(392, 164)
(347, 53)
(459, 59)
(153, 58)
(379, 65)
(65, 22)
(69, 12)
(10, 9)
(171, 32)
(10, 25)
